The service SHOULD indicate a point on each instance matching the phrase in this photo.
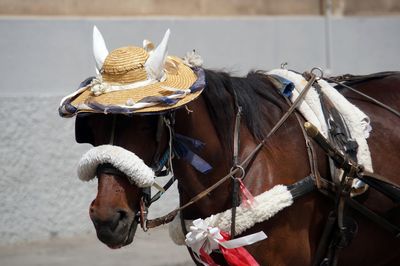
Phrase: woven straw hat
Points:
(136, 80)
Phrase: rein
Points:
(239, 167)
(390, 109)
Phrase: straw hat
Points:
(136, 80)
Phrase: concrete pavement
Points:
(153, 248)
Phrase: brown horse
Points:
(294, 233)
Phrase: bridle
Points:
(161, 165)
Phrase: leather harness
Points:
(339, 192)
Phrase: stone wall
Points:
(45, 59)
(195, 8)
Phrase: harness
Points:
(335, 234)
(237, 169)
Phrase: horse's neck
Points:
(283, 160)
(195, 123)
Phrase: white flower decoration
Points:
(192, 59)
(98, 87)
(202, 235)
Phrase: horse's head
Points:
(116, 210)
(130, 83)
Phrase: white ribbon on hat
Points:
(203, 236)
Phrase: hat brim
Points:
(181, 78)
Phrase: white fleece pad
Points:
(125, 161)
(357, 121)
(267, 204)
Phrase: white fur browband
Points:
(125, 161)
(267, 204)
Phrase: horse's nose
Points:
(107, 218)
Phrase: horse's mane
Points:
(254, 93)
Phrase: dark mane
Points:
(260, 102)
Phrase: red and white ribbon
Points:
(203, 239)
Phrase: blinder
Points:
(83, 134)
(83, 129)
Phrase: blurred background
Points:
(45, 51)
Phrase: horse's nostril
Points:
(122, 215)
(91, 208)
(116, 220)
(112, 222)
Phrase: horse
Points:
(294, 232)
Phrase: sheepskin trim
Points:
(267, 205)
(125, 161)
(357, 121)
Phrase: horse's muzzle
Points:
(117, 229)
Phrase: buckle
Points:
(242, 172)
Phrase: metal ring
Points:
(241, 169)
(284, 65)
(321, 72)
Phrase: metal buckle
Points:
(317, 69)
(142, 214)
(243, 172)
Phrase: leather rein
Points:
(237, 171)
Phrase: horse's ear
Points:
(155, 62)
(100, 51)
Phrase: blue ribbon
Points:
(183, 148)
(286, 86)
(86, 82)
(159, 99)
(200, 83)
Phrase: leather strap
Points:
(339, 83)
(170, 216)
(352, 79)
(235, 181)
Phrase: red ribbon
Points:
(205, 257)
(233, 256)
(237, 256)
(248, 199)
